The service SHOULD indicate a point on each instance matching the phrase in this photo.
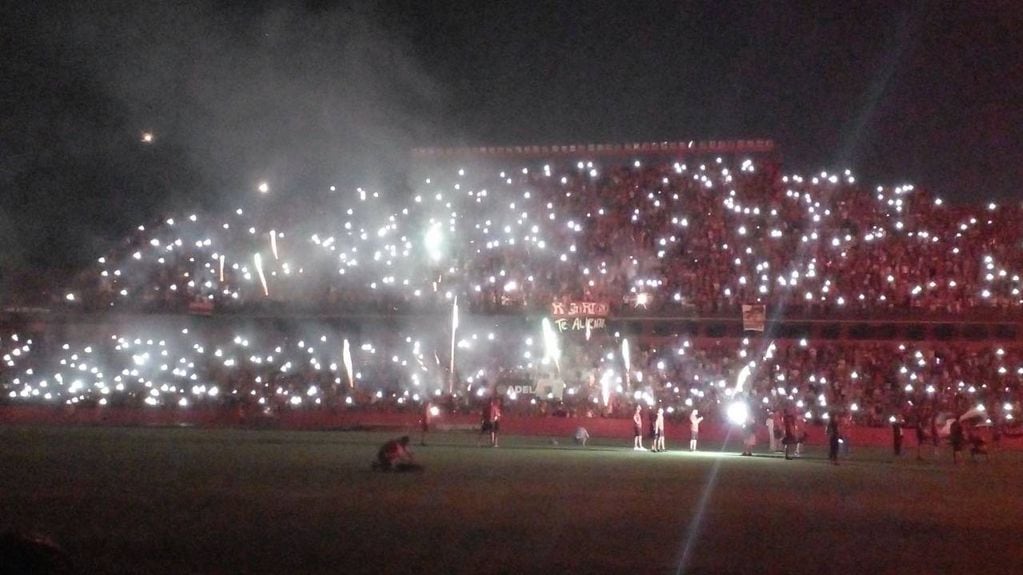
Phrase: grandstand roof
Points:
(683, 147)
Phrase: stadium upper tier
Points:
(656, 236)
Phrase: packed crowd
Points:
(659, 237)
(662, 237)
(307, 366)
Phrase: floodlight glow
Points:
(738, 412)
(433, 241)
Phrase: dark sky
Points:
(311, 94)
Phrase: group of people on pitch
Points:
(656, 427)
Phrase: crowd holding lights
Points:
(665, 237)
(648, 238)
(303, 367)
(300, 366)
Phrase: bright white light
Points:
(738, 412)
(433, 241)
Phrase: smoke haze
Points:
(301, 97)
(308, 95)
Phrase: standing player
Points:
(770, 432)
(425, 418)
(581, 436)
(801, 434)
(789, 434)
(957, 438)
(694, 428)
(834, 434)
(637, 429)
(495, 420)
(749, 436)
(659, 430)
(896, 435)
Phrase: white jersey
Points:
(694, 422)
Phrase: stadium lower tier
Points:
(530, 365)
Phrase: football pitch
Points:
(244, 501)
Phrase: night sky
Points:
(306, 95)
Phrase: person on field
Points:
(425, 419)
(659, 430)
(896, 436)
(581, 436)
(395, 455)
(637, 429)
(749, 436)
(491, 420)
(834, 435)
(801, 435)
(694, 428)
(957, 438)
(788, 438)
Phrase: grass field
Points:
(236, 501)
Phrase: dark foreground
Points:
(233, 501)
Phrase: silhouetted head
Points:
(20, 553)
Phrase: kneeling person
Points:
(395, 455)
